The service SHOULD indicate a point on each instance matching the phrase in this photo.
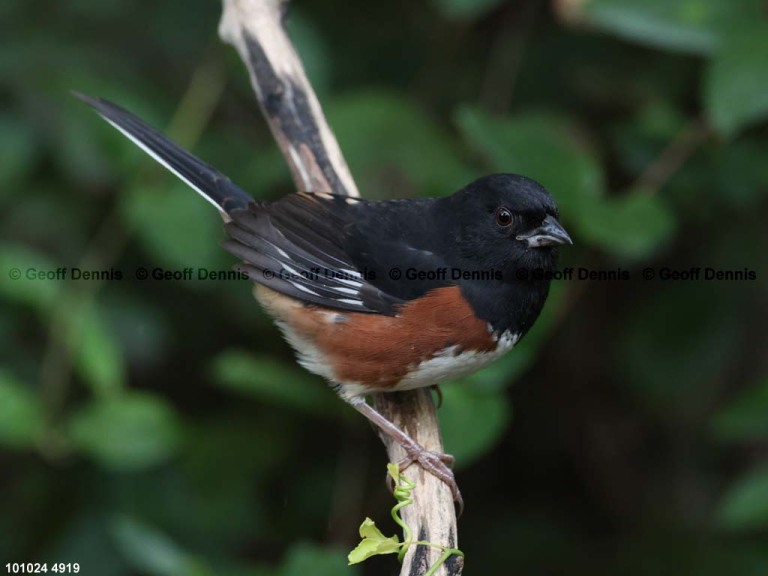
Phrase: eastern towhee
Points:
(380, 296)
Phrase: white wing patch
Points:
(350, 301)
(351, 273)
(303, 280)
(350, 282)
(303, 288)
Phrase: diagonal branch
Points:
(289, 104)
(285, 95)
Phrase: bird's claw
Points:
(439, 465)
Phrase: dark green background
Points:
(162, 427)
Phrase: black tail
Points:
(207, 181)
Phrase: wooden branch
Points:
(432, 516)
(255, 29)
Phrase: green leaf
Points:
(368, 529)
(633, 226)
(736, 86)
(99, 359)
(693, 26)
(472, 421)
(21, 414)
(17, 149)
(745, 504)
(393, 145)
(304, 559)
(465, 9)
(150, 551)
(41, 286)
(746, 417)
(129, 432)
(266, 379)
(545, 147)
(28, 289)
(175, 225)
(373, 543)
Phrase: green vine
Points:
(374, 542)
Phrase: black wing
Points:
(299, 246)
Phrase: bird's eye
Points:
(503, 216)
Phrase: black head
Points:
(507, 222)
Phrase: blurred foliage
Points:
(21, 415)
(161, 427)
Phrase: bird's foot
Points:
(439, 465)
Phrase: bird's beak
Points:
(550, 233)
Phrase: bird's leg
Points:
(436, 464)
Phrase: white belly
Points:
(446, 365)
